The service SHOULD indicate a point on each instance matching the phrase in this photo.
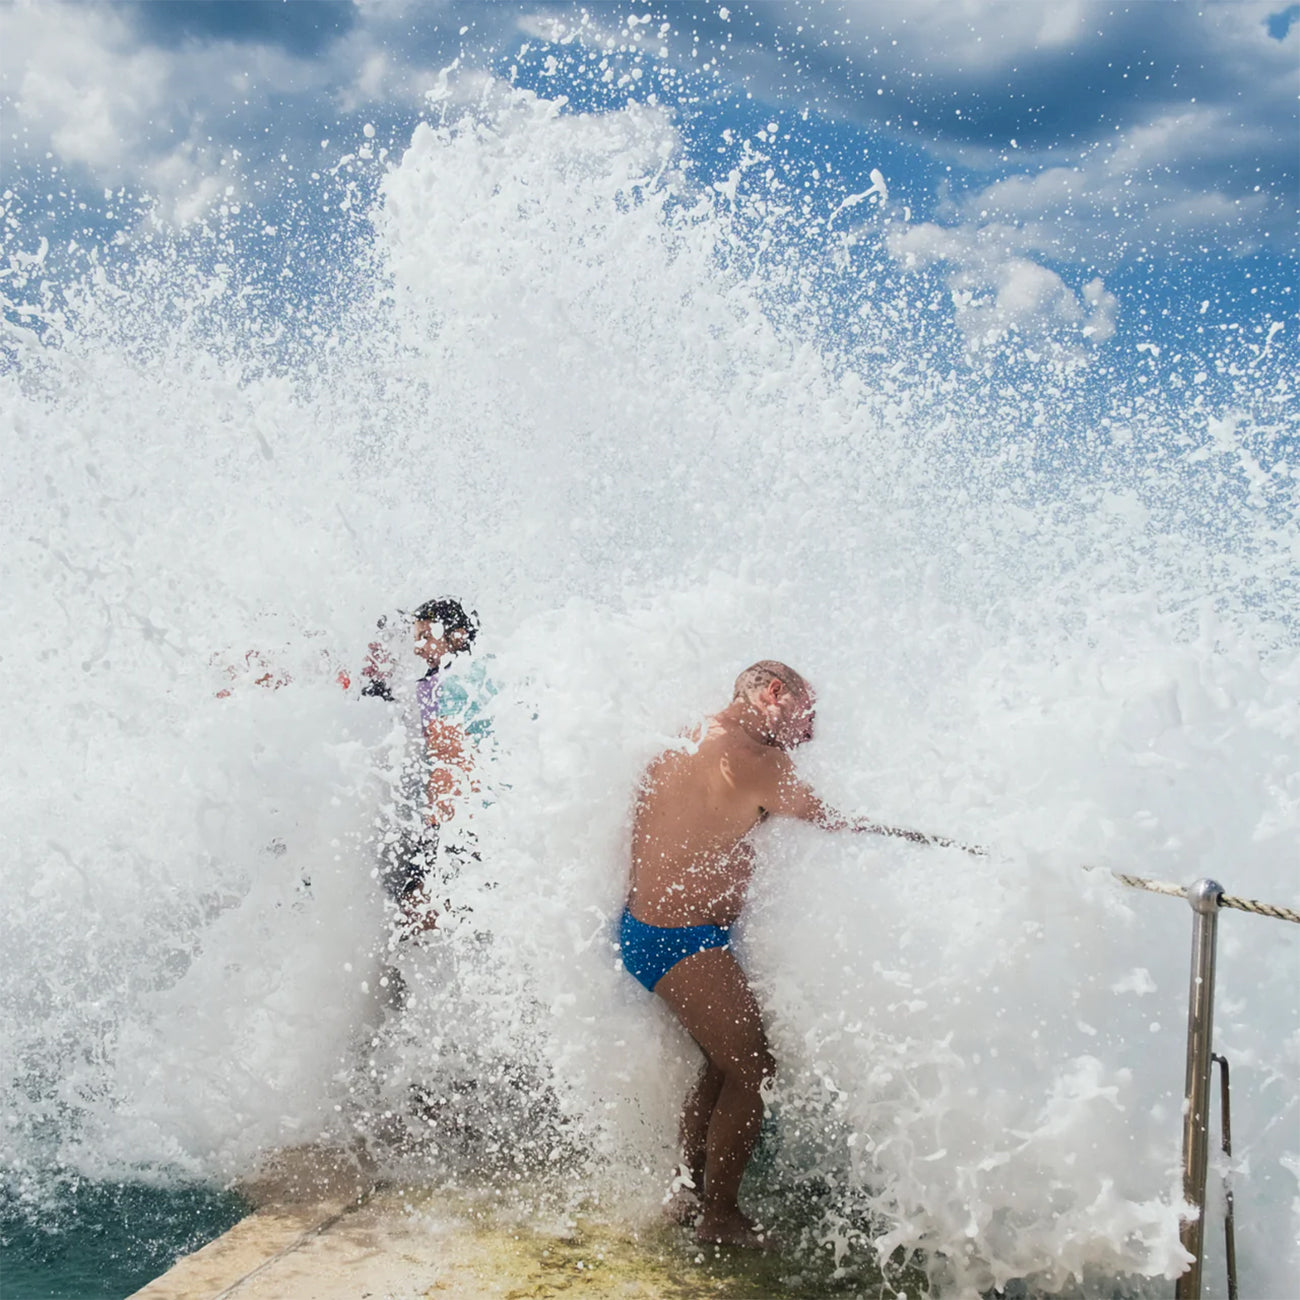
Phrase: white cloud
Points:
(101, 104)
(1128, 120)
(376, 66)
(1164, 184)
(972, 35)
(79, 80)
(1151, 188)
(374, 81)
(1123, 198)
(187, 185)
(1103, 309)
(173, 120)
(1001, 296)
(1149, 125)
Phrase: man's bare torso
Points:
(691, 864)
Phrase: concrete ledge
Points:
(414, 1244)
(223, 1266)
(324, 1231)
(298, 1193)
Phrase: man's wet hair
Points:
(448, 611)
(758, 675)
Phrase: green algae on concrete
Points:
(599, 1260)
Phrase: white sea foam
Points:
(599, 405)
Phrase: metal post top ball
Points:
(1204, 895)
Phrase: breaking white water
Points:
(629, 422)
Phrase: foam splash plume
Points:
(654, 431)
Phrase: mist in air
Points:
(653, 430)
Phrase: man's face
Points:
(433, 644)
(795, 713)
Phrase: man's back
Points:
(689, 865)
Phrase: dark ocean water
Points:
(104, 1241)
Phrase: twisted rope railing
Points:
(1275, 910)
(1225, 900)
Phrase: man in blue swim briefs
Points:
(691, 866)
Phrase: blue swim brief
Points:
(651, 951)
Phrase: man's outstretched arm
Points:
(796, 798)
(792, 797)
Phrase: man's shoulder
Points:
(740, 746)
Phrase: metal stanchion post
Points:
(1204, 897)
(1225, 1126)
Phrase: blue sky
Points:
(1075, 170)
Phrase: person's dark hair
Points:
(448, 611)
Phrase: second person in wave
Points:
(425, 850)
(691, 866)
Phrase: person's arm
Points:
(451, 763)
(793, 797)
(789, 796)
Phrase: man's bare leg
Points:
(709, 994)
(685, 1203)
(696, 1111)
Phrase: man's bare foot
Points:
(683, 1208)
(731, 1228)
(682, 1204)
